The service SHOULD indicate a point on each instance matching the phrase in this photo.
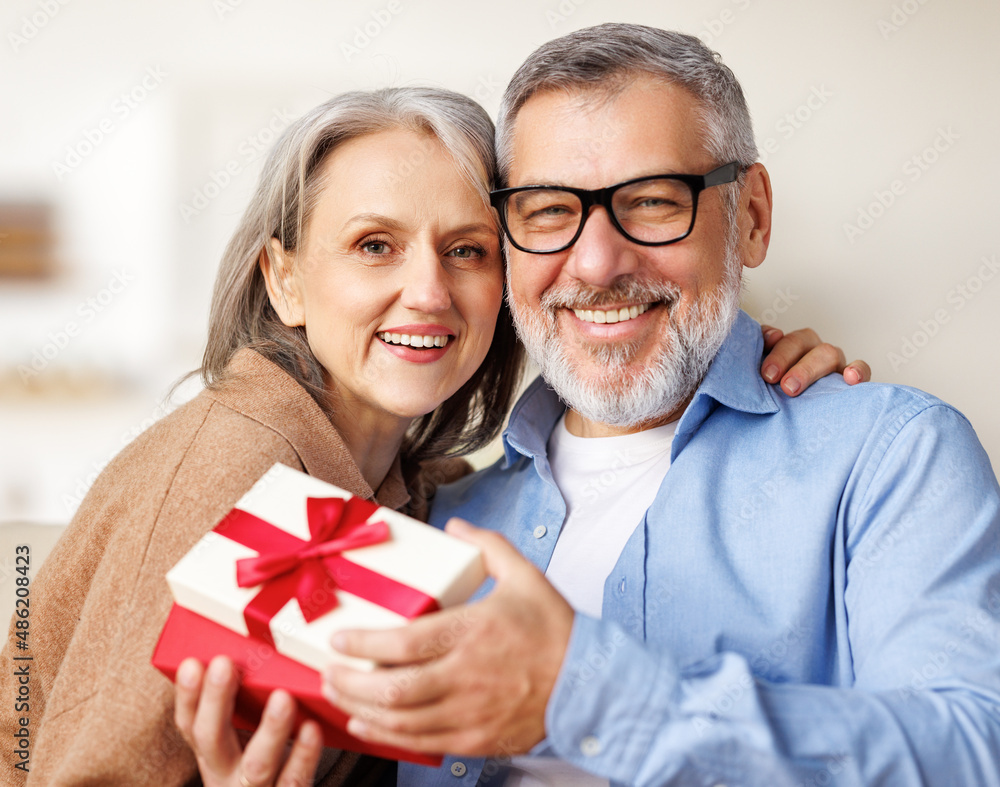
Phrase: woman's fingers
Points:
(857, 372)
(798, 359)
(265, 752)
(772, 335)
(303, 760)
(214, 739)
(268, 759)
(186, 695)
(203, 711)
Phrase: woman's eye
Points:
(376, 247)
(466, 252)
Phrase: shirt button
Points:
(621, 587)
(458, 769)
(590, 746)
(540, 531)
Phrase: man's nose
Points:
(425, 286)
(601, 253)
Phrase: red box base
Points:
(263, 670)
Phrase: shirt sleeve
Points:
(920, 566)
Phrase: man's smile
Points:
(622, 314)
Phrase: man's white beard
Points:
(607, 388)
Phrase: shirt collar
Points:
(733, 380)
(531, 422)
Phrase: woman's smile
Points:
(417, 343)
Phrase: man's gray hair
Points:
(605, 58)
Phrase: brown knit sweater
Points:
(100, 714)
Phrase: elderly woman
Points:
(358, 333)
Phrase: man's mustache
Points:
(624, 289)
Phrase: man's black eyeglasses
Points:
(651, 211)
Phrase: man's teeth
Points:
(413, 341)
(613, 315)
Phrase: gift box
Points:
(262, 670)
(296, 560)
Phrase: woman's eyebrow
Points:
(467, 229)
(375, 218)
(395, 224)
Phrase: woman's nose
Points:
(426, 287)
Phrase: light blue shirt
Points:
(813, 598)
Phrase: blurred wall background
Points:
(139, 128)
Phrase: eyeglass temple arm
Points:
(727, 173)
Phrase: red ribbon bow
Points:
(311, 571)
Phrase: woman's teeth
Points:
(413, 341)
(614, 315)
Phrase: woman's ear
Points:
(283, 286)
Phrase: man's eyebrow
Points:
(536, 182)
(555, 183)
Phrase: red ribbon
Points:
(312, 571)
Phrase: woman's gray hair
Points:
(606, 57)
(286, 194)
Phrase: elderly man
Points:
(739, 587)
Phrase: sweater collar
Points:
(263, 391)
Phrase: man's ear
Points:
(283, 286)
(755, 215)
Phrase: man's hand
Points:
(798, 359)
(470, 680)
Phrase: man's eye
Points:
(376, 247)
(551, 210)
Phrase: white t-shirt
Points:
(607, 483)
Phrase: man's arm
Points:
(922, 603)
(470, 679)
(923, 705)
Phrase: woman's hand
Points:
(799, 359)
(203, 712)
